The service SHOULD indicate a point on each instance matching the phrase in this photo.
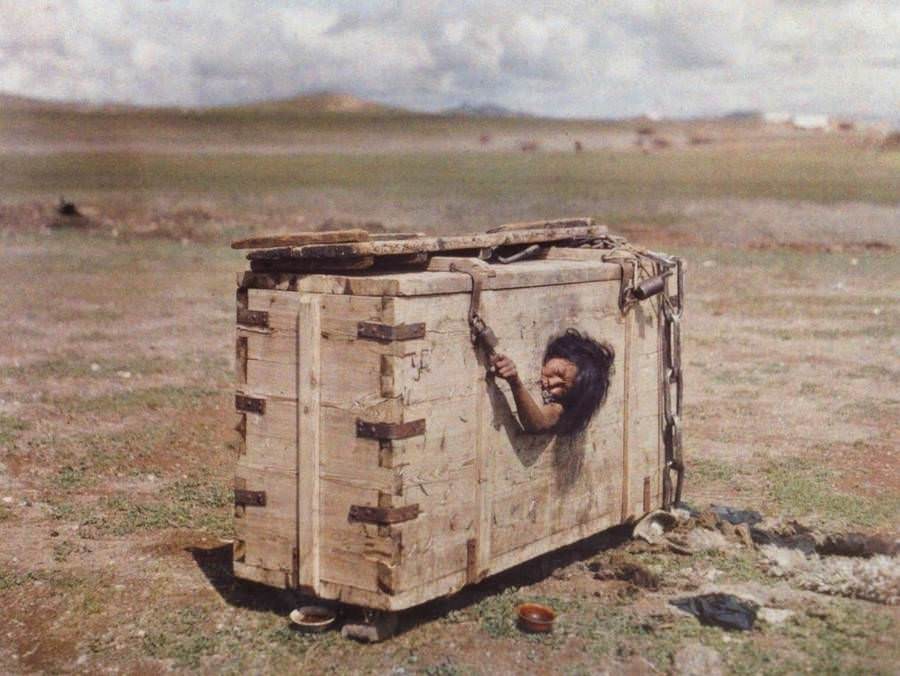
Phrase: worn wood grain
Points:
(431, 244)
(309, 370)
(301, 238)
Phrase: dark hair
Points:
(594, 361)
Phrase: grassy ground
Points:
(115, 413)
(781, 173)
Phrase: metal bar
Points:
(382, 430)
(382, 516)
(257, 318)
(390, 332)
(249, 498)
(245, 404)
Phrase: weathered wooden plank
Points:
(268, 379)
(516, 275)
(280, 579)
(554, 223)
(343, 545)
(278, 422)
(309, 456)
(553, 541)
(277, 302)
(308, 265)
(519, 518)
(271, 451)
(432, 244)
(301, 238)
(274, 346)
(267, 532)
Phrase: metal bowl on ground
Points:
(312, 619)
(536, 618)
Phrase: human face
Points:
(558, 377)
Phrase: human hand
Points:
(504, 367)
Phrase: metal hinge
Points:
(382, 516)
(383, 430)
(390, 332)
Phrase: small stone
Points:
(709, 264)
(774, 615)
(124, 374)
(81, 661)
(876, 311)
(54, 533)
(701, 539)
(95, 367)
(696, 659)
(8, 499)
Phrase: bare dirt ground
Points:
(116, 447)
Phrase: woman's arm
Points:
(533, 417)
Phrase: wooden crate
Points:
(389, 471)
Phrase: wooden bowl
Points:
(312, 619)
(536, 618)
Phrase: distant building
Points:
(810, 122)
(777, 118)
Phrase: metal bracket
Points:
(382, 516)
(245, 404)
(383, 430)
(256, 318)
(249, 498)
(390, 332)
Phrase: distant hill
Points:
(483, 110)
(27, 103)
(319, 103)
(312, 103)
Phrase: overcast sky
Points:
(604, 59)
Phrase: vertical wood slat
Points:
(626, 412)
(484, 484)
(309, 337)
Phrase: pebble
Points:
(696, 659)
(774, 615)
(95, 367)
(123, 374)
(8, 499)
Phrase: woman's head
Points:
(576, 373)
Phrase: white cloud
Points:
(569, 57)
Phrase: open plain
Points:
(116, 441)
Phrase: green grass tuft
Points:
(802, 487)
